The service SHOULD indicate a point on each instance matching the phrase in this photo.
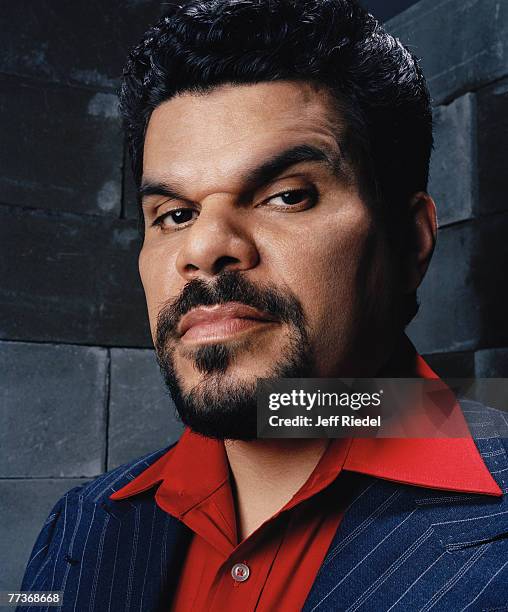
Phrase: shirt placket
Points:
(255, 557)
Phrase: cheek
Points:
(339, 281)
(335, 265)
(156, 270)
(323, 261)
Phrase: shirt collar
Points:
(197, 466)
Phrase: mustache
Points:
(229, 286)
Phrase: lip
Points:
(219, 321)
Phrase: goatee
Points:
(220, 406)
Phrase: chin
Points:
(220, 405)
(214, 386)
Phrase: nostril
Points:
(224, 263)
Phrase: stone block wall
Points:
(462, 327)
(80, 392)
(79, 389)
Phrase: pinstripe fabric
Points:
(402, 548)
(398, 548)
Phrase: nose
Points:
(218, 240)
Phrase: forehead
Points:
(236, 125)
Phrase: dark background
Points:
(385, 9)
(79, 389)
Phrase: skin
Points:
(327, 250)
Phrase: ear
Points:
(423, 230)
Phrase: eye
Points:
(294, 198)
(174, 218)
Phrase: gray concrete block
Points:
(77, 42)
(492, 363)
(464, 299)
(25, 507)
(71, 278)
(385, 10)
(61, 148)
(453, 170)
(492, 378)
(130, 202)
(463, 43)
(142, 414)
(53, 410)
(492, 147)
(448, 319)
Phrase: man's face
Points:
(260, 257)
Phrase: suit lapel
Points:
(129, 554)
(404, 544)
(152, 546)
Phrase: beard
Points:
(219, 406)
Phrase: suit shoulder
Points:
(60, 531)
(489, 429)
(485, 421)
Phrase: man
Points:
(281, 150)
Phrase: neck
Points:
(266, 474)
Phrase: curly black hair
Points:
(378, 83)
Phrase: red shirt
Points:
(280, 560)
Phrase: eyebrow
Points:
(260, 175)
(273, 167)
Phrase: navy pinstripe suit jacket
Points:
(399, 548)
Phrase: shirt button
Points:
(240, 572)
